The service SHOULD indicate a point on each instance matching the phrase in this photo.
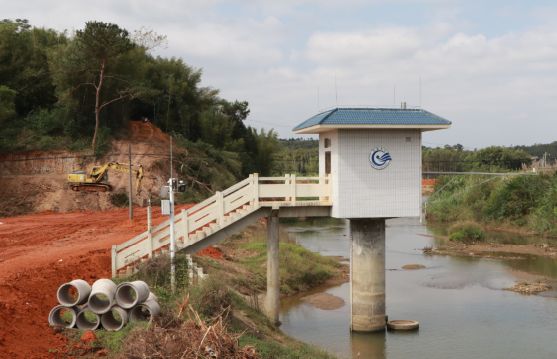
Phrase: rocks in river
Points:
(324, 301)
(530, 287)
(413, 266)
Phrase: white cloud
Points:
(283, 57)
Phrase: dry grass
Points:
(187, 336)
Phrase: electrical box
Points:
(165, 207)
(164, 192)
(181, 186)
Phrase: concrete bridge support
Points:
(367, 275)
(272, 298)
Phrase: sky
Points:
(487, 66)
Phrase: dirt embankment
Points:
(493, 250)
(36, 181)
(41, 251)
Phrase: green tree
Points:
(24, 64)
(7, 106)
(95, 49)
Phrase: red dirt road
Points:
(39, 252)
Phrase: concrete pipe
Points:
(115, 319)
(73, 293)
(146, 311)
(102, 296)
(87, 319)
(130, 294)
(62, 316)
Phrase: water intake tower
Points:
(373, 158)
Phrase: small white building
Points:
(374, 158)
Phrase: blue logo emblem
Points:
(380, 158)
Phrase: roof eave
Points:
(315, 129)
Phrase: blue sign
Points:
(380, 158)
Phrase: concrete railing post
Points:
(186, 226)
(255, 185)
(367, 274)
(293, 189)
(219, 208)
(114, 261)
(272, 299)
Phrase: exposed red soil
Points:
(37, 181)
(212, 252)
(39, 252)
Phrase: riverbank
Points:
(524, 204)
(228, 301)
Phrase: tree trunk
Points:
(98, 105)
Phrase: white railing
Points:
(220, 210)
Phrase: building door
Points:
(327, 162)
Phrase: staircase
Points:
(222, 215)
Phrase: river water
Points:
(459, 301)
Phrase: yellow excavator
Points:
(97, 178)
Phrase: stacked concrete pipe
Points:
(104, 304)
(147, 310)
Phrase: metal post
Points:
(172, 240)
(149, 227)
(130, 193)
(170, 156)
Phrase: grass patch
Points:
(300, 268)
(466, 232)
(113, 341)
(272, 349)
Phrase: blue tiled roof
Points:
(374, 116)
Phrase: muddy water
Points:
(462, 309)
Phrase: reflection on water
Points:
(462, 310)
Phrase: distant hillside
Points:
(538, 150)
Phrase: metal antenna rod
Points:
(336, 92)
(318, 106)
(394, 96)
(420, 92)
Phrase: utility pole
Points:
(130, 193)
(170, 156)
(172, 240)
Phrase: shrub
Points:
(211, 297)
(119, 199)
(516, 197)
(466, 232)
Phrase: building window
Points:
(327, 142)
(328, 162)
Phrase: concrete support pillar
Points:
(272, 299)
(367, 275)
